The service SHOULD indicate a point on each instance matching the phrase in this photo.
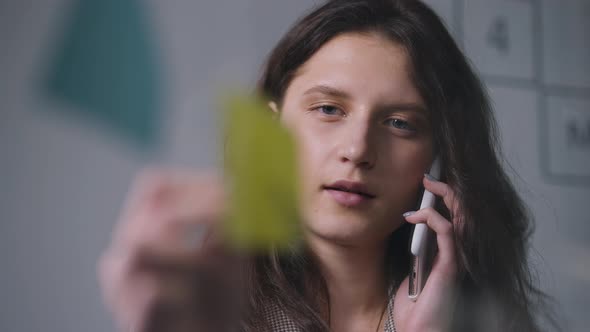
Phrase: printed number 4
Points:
(498, 36)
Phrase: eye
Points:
(329, 110)
(399, 124)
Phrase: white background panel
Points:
(499, 38)
(566, 42)
(568, 130)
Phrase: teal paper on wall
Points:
(105, 66)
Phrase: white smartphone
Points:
(423, 244)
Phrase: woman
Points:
(372, 91)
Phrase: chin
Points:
(345, 230)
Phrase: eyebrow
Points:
(327, 90)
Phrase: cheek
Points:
(407, 164)
(313, 154)
(414, 165)
(311, 140)
(412, 157)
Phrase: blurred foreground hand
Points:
(166, 268)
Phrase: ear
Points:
(274, 108)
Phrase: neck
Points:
(356, 282)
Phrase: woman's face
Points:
(364, 138)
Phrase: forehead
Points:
(365, 64)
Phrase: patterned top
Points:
(280, 322)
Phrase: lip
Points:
(349, 193)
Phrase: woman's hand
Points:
(165, 269)
(434, 308)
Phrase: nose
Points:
(357, 147)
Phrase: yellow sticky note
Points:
(261, 168)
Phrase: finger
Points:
(176, 214)
(188, 221)
(201, 194)
(155, 189)
(166, 236)
(125, 289)
(443, 190)
(147, 192)
(444, 234)
(171, 245)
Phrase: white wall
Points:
(62, 179)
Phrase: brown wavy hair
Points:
(497, 289)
